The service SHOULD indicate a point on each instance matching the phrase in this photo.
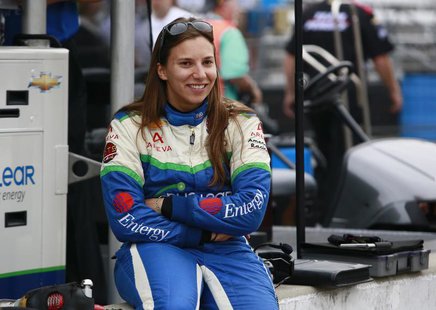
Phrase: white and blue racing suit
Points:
(167, 261)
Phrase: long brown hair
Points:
(151, 105)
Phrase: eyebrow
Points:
(190, 58)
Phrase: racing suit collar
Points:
(192, 118)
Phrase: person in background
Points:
(164, 12)
(232, 51)
(83, 251)
(184, 182)
(318, 28)
(196, 6)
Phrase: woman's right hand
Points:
(219, 237)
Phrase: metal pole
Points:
(361, 87)
(122, 90)
(299, 127)
(35, 16)
(122, 53)
(335, 9)
(362, 90)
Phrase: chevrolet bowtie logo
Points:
(45, 81)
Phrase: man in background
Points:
(162, 13)
(319, 25)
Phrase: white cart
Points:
(33, 168)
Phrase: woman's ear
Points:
(162, 72)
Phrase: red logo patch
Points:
(157, 137)
(211, 205)
(110, 151)
(123, 202)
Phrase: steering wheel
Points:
(326, 85)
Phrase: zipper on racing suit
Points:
(191, 150)
(192, 137)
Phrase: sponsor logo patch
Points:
(154, 234)
(325, 21)
(110, 151)
(158, 148)
(45, 81)
(258, 134)
(111, 135)
(211, 205)
(199, 115)
(232, 210)
(123, 202)
(202, 195)
(158, 144)
(257, 143)
(157, 138)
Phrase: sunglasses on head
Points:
(177, 28)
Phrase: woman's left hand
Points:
(219, 237)
(155, 204)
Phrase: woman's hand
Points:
(155, 204)
(219, 237)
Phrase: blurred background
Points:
(267, 25)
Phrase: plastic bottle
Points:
(87, 287)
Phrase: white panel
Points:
(20, 191)
(33, 149)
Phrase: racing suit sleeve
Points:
(122, 180)
(242, 212)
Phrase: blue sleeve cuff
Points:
(167, 207)
(194, 237)
(182, 209)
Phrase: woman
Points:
(185, 177)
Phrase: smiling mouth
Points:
(197, 86)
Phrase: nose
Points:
(199, 72)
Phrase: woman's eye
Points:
(185, 63)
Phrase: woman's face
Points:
(190, 73)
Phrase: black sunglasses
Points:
(177, 28)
